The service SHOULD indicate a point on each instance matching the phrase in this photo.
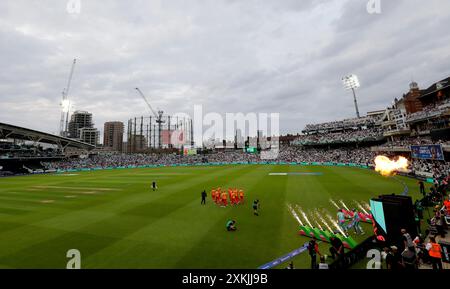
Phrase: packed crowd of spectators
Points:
(348, 136)
(286, 154)
(436, 168)
(430, 111)
(411, 141)
(362, 156)
(367, 121)
(127, 160)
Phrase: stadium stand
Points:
(349, 136)
(353, 123)
(23, 150)
(287, 154)
(8, 131)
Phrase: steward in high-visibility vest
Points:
(435, 251)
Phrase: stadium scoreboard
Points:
(251, 150)
(189, 151)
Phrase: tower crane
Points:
(158, 116)
(65, 104)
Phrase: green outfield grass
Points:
(114, 219)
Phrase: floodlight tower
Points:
(352, 82)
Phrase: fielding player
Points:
(154, 186)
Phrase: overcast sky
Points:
(285, 56)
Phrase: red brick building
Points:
(411, 100)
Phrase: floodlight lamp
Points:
(351, 82)
(65, 104)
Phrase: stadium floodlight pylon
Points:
(351, 82)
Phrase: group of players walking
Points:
(354, 221)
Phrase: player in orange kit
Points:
(224, 199)
(241, 196)
(233, 198)
(218, 196)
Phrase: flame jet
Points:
(387, 167)
(361, 207)
(335, 224)
(343, 204)
(294, 214)
(319, 216)
(316, 220)
(334, 204)
(303, 214)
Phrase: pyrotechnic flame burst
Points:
(388, 167)
(316, 220)
(344, 205)
(358, 204)
(336, 225)
(367, 206)
(319, 216)
(303, 214)
(294, 214)
(334, 203)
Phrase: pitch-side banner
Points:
(427, 152)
